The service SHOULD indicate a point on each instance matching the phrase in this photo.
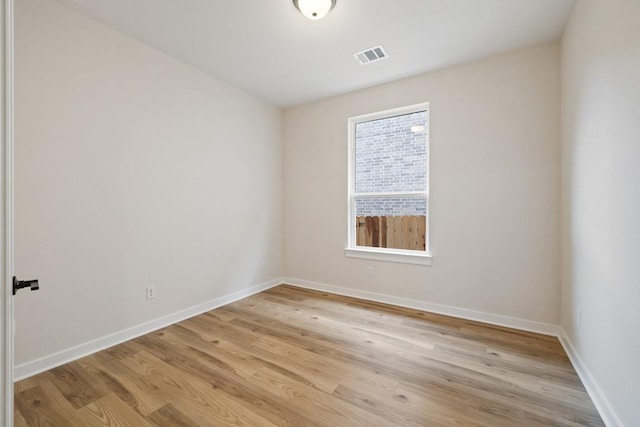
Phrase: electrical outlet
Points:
(370, 271)
(151, 292)
(579, 319)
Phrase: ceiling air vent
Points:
(370, 55)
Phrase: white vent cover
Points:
(370, 55)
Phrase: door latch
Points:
(21, 284)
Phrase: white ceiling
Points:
(268, 49)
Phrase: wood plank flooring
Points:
(293, 357)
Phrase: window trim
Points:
(384, 254)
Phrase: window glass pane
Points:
(391, 222)
(391, 154)
(391, 206)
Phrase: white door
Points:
(6, 211)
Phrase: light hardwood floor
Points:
(295, 357)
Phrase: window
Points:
(389, 185)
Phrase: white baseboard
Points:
(493, 319)
(34, 367)
(599, 399)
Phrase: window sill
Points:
(392, 255)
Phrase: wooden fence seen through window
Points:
(397, 232)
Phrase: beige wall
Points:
(132, 169)
(495, 188)
(601, 197)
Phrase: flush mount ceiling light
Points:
(314, 9)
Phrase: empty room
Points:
(320, 213)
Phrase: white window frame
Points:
(384, 254)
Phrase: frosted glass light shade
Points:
(314, 9)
